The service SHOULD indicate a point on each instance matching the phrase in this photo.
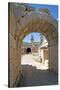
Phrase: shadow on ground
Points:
(35, 77)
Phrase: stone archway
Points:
(34, 21)
(49, 31)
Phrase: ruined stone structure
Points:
(23, 21)
(33, 47)
(44, 49)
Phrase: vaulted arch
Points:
(47, 28)
(20, 26)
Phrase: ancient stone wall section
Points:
(53, 55)
(37, 16)
(14, 62)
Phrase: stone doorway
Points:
(20, 26)
(28, 50)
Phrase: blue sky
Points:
(36, 37)
(52, 8)
(54, 11)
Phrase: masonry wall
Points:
(14, 61)
(53, 55)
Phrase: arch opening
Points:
(34, 51)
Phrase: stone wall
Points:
(53, 55)
(14, 61)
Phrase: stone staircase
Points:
(33, 77)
